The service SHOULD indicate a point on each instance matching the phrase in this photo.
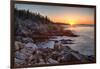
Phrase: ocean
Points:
(85, 42)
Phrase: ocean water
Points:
(85, 42)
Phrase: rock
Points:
(20, 55)
(24, 50)
(24, 32)
(18, 38)
(41, 61)
(26, 40)
(69, 33)
(31, 47)
(19, 62)
(52, 61)
(91, 58)
(67, 41)
(55, 55)
(31, 59)
(39, 52)
(57, 46)
(20, 58)
(18, 45)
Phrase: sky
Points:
(63, 14)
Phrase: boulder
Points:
(31, 47)
(19, 62)
(20, 55)
(18, 45)
(52, 61)
(20, 58)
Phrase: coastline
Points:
(46, 55)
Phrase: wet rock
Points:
(68, 41)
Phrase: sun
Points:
(72, 22)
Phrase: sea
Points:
(85, 43)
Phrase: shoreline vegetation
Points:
(32, 31)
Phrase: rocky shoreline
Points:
(28, 53)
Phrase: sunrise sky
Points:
(73, 15)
